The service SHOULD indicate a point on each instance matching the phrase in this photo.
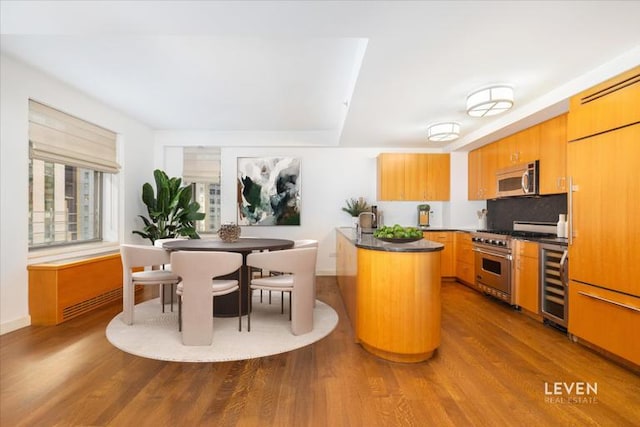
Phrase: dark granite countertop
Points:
(367, 241)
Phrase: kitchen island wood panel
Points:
(399, 304)
(346, 273)
(392, 294)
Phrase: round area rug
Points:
(155, 334)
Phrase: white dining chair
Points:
(304, 243)
(147, 258)
(298, 267)
(197, 290)
(172, 287)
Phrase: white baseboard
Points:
(14, 325)
(325, 273)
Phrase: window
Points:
(64, 204)
(69, 159)
(208, 196)
(201, 168)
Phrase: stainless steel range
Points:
(494, 257)
(494, 264)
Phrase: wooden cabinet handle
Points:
(619, 304)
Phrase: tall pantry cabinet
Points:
(603, 161)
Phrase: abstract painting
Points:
(268, 191)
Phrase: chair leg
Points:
(240, 299)
(180, 314)
(162, 296)
(281, 302)
(250, 291)
(289, 304)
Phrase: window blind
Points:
(201, 164)
(58, 137)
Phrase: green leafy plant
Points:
(356, 206)
(172, 213)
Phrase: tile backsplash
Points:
(502, 212)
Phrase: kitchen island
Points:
(392, 294)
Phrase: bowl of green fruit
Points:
(398, 234)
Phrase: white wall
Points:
(18, 83)
(329, 176)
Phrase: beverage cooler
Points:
(554, 290)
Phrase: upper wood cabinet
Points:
(553, 155)
(546, 142)
(521, 147)
(391, 176)
(609, 105)
(482, 172)
(413, 176)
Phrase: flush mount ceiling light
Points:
(490, 101)
(441, 132)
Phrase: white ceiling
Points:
(355, 74)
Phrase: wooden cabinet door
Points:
(391, 176)
(527, 275)
(447, 262)
(605, 223)
(481, 178)
(506, 149)
(489, 166)
(527, 145)
(415, 176)
(474, 177)
(464, 260)
(553, 155)
(609, 105)
(437, 182)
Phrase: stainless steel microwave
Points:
(518, 180)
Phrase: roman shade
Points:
(201, 164)
(58, 137)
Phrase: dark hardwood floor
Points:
(490, 370)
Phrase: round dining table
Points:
(227, 305)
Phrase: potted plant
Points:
(355, 207)
(172, 213)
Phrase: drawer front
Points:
(439, 236)
(608, 319)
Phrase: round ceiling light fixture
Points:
(490, 101)
(443, 132)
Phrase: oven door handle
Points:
(505, 256)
